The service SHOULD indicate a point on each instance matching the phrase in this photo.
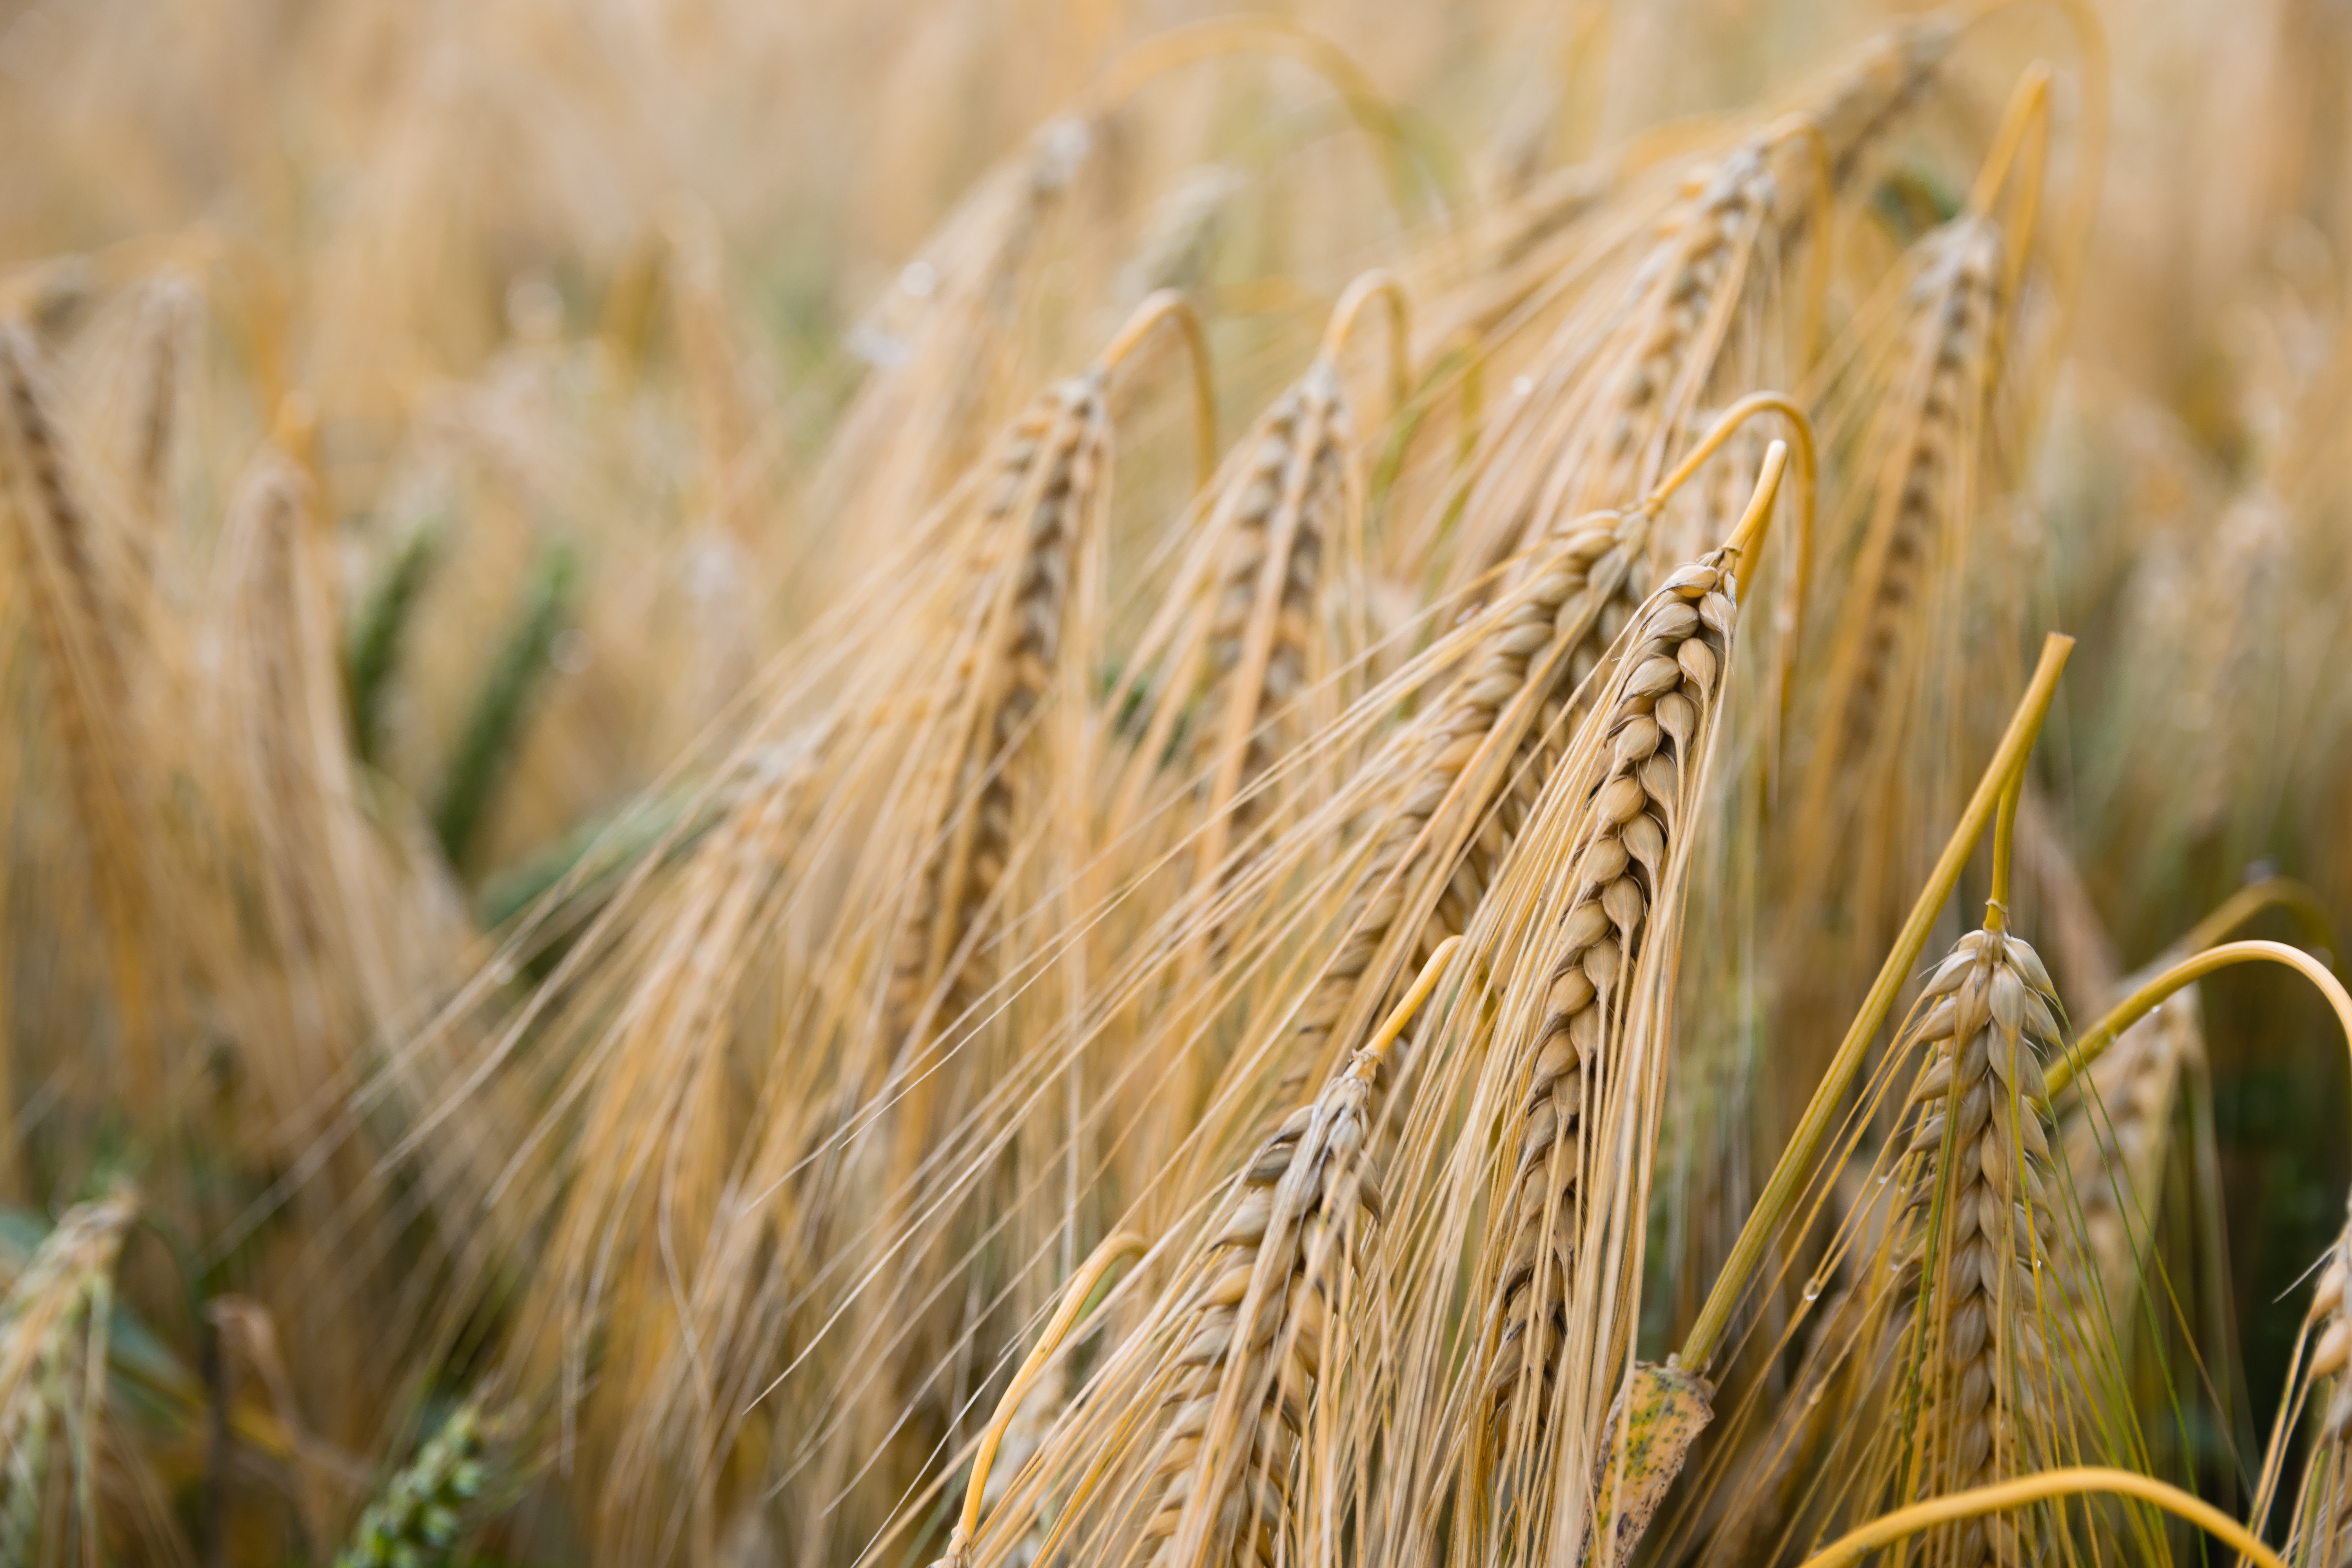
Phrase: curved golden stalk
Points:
(2150, 997)
(1749, 532)
(1384, 286)
(2271, 892)
(1238, 35)
(1115, 1249)
(2091, 42)
(2027, 116)
(2074, 1482)
(1170, 305)
(1804, 127)
(1800, 431)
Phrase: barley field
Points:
(1370, 783)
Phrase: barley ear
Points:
(415, 1520)
(502, 707)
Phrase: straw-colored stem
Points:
(1801, 435)
(2253, 899)
(2090, 163)
(2074, 1482)
(1790, 1176)
(1115, 1248)
(1749, 533)
(2027, 114)
(2140, 1002)
(1738, 414)
(1382, 286)
(1824, 210)
(1266, 35)
(1377, 1047)
(1169, 305)
(2004, 837)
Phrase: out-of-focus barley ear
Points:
(1242, 652)
(55, 1328)
(733, 464)
(74, 620)
(2118, 1127)
(418, 1518)
(1422, 174)
(1923, 453)
(379, 631)
(2319, 1534)
(2115, 1136)
(945, 344)
(1668, 314)
(502, 706)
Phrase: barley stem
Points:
(2132, 1008)
(1115, 1248)
(2071, 1482)
(1169, 305)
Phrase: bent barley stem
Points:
(1169, 305)
(2132, 1008)
(2077, 1481)
(1115, 1248)
(2250, 900)
(1382, 285)
(1801, 435)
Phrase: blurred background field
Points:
(466, 460)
